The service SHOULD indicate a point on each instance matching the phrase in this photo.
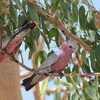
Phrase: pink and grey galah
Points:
(54, 64)
(9, 44)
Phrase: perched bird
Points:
(11, 44)
(54, 64)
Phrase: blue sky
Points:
(29, 95)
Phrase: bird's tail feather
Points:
(28, 83)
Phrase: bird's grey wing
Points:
(49, 61)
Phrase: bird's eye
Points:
(70, 46)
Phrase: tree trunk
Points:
(9, 81)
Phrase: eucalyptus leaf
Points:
(45, 39)
(13, 13)
(65, 8)
(18, 3)
(77, 79)
(56, 81)
(74, 12)
(92, 58)
(42, 55)
(84, 58)
(57, 94)
(44, 86)
(70, 87)
(82, 17)
(52, 33)
(81, 97)
(86, 68)
(97, 52)
(85, 84)
(33, 12)
(91, 92)
(75, 96)
(75, 69)
(67, 70)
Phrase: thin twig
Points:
(20, 52)
(84, 75)
(25, 74)
(79, 62)
(21, 64)
(59, 24)
(52, 90)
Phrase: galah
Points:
(54, 64)
(11, 44)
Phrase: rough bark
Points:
(9, 81)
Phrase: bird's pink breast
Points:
(62, 62)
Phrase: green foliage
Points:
(19, 5)
(97, 52)
(75, 96)
(14, 14)
(33, 12)
(79, 19)
(57, 94)
(82, 17)
(56, 81)
(44, 86)
(77, 79)
(91, 92)
(42, 55)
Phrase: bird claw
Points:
(46, 74)
(60, 74)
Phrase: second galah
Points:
(54, 64)
(9, 44)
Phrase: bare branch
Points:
(25, 74)
(84, 75)
(16, 61)
(52, 90)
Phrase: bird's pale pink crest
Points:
(71, 44)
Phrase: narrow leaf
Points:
(77, 79)
(57, 94)
(92, 58)
(56, 81)
(13, 14)
(82, 17)
(75, 96)
(44, 86)
(84, 59)
(18, 3)
(74, 12)
(33, 12)
(97, 52)
(91, 92)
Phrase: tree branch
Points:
(59, 24)
(52, 90)
(25, 74)
(16, 61)
(84, 75)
